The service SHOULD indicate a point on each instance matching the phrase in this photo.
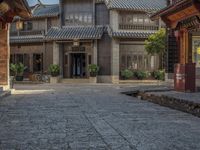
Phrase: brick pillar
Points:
(4, 57)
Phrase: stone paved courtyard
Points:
(91, 117)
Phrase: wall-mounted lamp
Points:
(19, 25)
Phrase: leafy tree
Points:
(155, 44)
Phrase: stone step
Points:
(4, 94)
(74, 81)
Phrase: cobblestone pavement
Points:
(86, 117)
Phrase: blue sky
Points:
(33, 2)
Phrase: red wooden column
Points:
(4, 56)
(184, 77)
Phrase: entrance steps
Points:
(74, 81)
(4, 93)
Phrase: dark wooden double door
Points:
(75, 65)
(78, 65)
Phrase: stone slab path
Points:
(91, 117)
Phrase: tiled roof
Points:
(138, 5)
(46, 11)
(26, 39)
(79, 32)
(131, 34)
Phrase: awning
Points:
(71, 33)
(131, 34)
(27, 39)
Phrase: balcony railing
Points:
(27, 33)
(175, 1)
(138, 27)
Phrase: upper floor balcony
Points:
(175, 1)
(28, 33)
(30, 36)
(124, 26)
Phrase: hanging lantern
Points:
(19, 25)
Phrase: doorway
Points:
(78, 65)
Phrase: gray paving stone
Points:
(91, 117)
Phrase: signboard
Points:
(198, 50)
(78, 49)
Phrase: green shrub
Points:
(93, 70)
(17, 69)
(141, 75)
(13, 69)
(159, 75)
(127, 74)
(54, 70)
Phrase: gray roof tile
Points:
(46, 11)
(79, 32)
(26, 39)
(132, 34)
(138, 5)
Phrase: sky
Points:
(33, 2)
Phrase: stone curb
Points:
(167, 101)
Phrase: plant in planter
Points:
(127, 74)
(141, 75)
(159, 75)
(17, 70)
(55, 72)
(13, 69)
(93, 70)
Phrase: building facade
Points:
(173, 49)
(8, 10)
(76, 33)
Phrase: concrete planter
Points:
(93, 79)
(54, 80)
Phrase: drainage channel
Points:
(167, 101)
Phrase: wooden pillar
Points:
(4, 56)
(184, 46)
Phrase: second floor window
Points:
(27, 26)
(135, 19)
(78, 18)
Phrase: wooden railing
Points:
(175, 1)
(138, 27)
(27, 33)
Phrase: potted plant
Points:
(13, 72)
(93, 70)
(55, 72)
(17, 71)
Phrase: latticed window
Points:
(134, 57)
(196, 50)
(138, 21)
